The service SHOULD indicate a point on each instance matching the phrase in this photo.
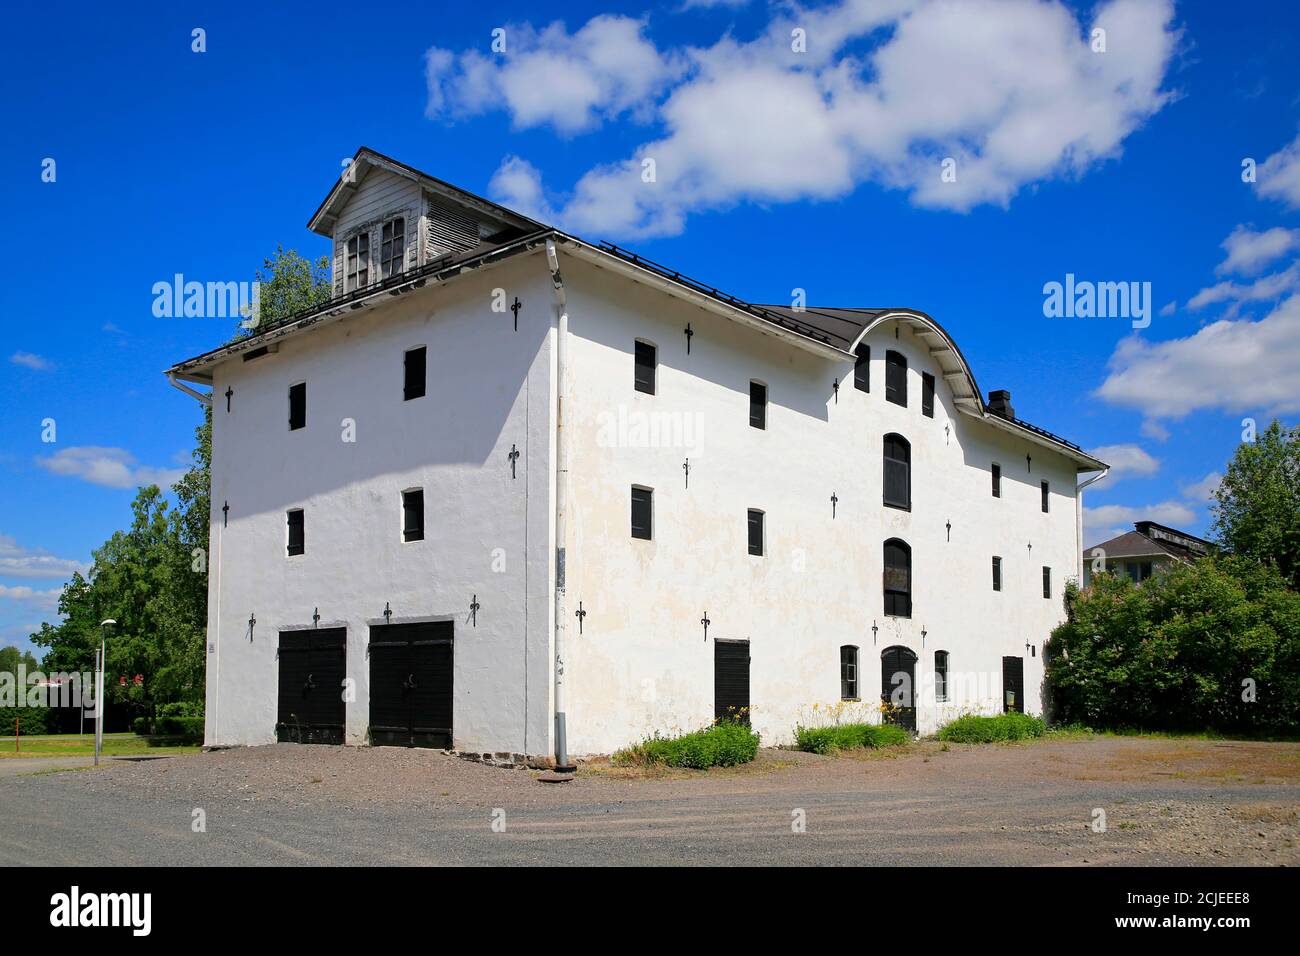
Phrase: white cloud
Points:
(31, 360)
(1249, 251)
(1010, 89)
(30, 597)
(1108, 521)
(1267, 288)
(1279, 175)
(111, 467)
(19, 562)
(1168, 309)
(569, 81)
(1154, 430)
(1232, 365)
(1125, 461)
(1204, 489)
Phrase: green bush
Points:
(31, 720)
(140, 725)
(1210, 645)
(189, 729)
(973, 729)
(722, 745)
(825, 740)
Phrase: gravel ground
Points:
(1165, 802)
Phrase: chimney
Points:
(1000, 404)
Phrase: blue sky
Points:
(776, 169)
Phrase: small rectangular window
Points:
(413, 515)
(1045, 488)
(997, 481)
(848, 672)
(997, 574)
(757, 405)
(297, 541)
(642, 512)
(940, 675)
(646, 363)
(927, 395)
(392, 247)
(357, 261)
(1047, 582)
(862, 368)
(755, 532)
(413, 373)
(297, 406)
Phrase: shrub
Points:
(722, 745)
(1210, 645)
(189, 729)
(973, 729)
(825, 740)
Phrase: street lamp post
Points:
(99, 687)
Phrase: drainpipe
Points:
(1078, 516)
(202, 399)
(561, 496)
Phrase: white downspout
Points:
(202, 399)
(1078, 517)
(561, 496)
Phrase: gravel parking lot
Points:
(1165, 802)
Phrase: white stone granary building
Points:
(513, 492)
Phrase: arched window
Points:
(898, 578)
(849, 672)
(940, 675)
(898, 472)
(895, 378)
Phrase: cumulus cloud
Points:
(1233, 365)
(1011, 90)
(1279, 175)
(1250, 251)
(1203, 490)
(1151, 428)
(31, 360)
(30, 597)
(550, 76)
(19, 562)
(1126, 461)
(110, 467)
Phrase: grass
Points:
(827, 740)
(83, 745)
(722, 745)
(1082, 731)
(973, 729)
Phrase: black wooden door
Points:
(1013, 684)
(411, 684)
(313, 665)
(731, 680)
(898, 686)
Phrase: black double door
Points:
(312, 666)
(1013, 685)
(898, 686)
(411, 684)
(731, 681)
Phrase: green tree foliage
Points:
(152, 578)
(1184, 650)
(1257, 508)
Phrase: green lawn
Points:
(83, 745)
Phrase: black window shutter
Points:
(862, 368)
(755, 532)
(413, 515)
(1046, 491)
(997, 481)
(997, 574)
(898, 472)
(927, 395)
(1047, 582)
(645, 368)
(413, 385)
(297, 540)
(757, 405)
(898, 579)
(297, 406)
(641, 513)
(895, 378)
